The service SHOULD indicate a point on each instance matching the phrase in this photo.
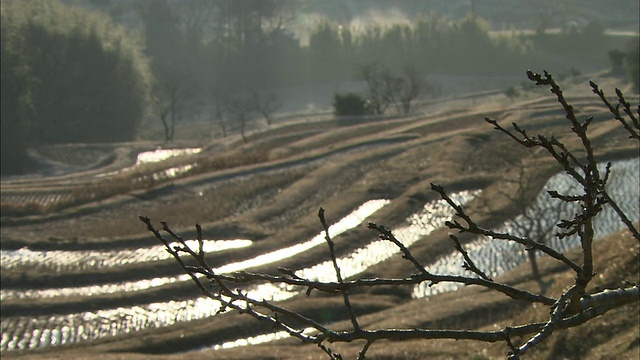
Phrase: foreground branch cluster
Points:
(573, 307)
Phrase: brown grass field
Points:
(269, 190)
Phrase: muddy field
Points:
(81, 276)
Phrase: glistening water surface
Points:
(432, 216)
(497, 257)
(348, 222)
(60, 261)
(163, 154)
(31, 332)
(157, 156)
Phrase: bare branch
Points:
(473, 228)
(634, 127)
(574, 307)
(345, 294)
(468, 263)
(385, 234)
(335, 287)
(556, 316)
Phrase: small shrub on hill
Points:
(349, 104)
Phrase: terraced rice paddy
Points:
(29, 332)
(376, 171)
(493, 257)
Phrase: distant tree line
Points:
(240, 46)
(216, 55)
(232, 49)
(68, 75)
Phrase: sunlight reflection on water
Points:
(60, 261)
(497, 257)
(163, 154)
(430, 218)
(494, 257)
(348, 222)
(31, 332)
(148, 157)
(255, 340)
(421, 224)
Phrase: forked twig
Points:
(468, 264)
(386, 234)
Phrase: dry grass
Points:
(143, 177)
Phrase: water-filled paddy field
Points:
(494, 257)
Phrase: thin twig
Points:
(615, 110)
(335, 287)
(547, 329)
(345, 294)
(386, 234)
(468, 263)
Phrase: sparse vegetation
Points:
(511, 93)
(387, 89)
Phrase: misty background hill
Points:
(233, 64)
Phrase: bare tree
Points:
(553, 14)
(240, 110)
(386, 88)
(573, 307)
(220, 113)
(372, 75)
(412, 87)
(266, 104)
(172, 99)
(392, 88)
